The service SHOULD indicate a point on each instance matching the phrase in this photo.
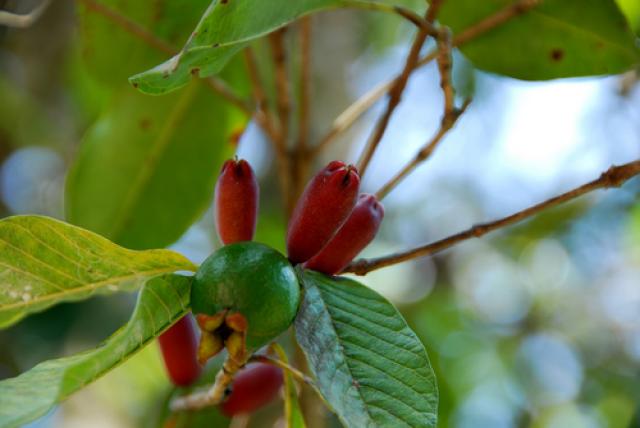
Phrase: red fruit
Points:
(236, 202)
(255, 386)
(324, 205)
(354, 235)
(179, 346)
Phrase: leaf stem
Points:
(615, 176)
(23, 21)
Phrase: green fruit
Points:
(254, 280)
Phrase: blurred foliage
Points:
(544, 309)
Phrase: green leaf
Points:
(369, 365)
(225, 28)
(557, 38)
(32, 394)
(112, 54)
(45, 261)
(147, 168)
(292, 411)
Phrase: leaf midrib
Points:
(93, 285)
(152, 159)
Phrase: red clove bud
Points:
(323, 207)
(179, 346)
(254, 386)
(236, 202)
(355, 234)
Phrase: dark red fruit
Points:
(324, 205)
(236, 202)
(179, 346)
(255, 386)
(354, 235)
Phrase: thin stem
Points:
(395, 95)
(300, 156)
(23, 20)
(405, 13)
(425, 152)
(615, 176)
(450, 116)
(215, 84)
(305, 81)
(362, 105)
(283, 101)
(213, 396)
(262, 115)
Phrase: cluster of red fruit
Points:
(330, 225)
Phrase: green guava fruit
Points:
(253, 280)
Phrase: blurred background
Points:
(537, 325)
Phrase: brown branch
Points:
(16, 20)
(613, 177)
(217, 85)
(262, 115)
(360, 106)
(395, 95)
(448, 121)
(305, 81)
(283, 101)
(449, 117)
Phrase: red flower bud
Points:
(354, 235)
(254, 386)
(236, 202)
(324, 205)
(179, 346)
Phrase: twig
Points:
(262, 115)
(360, 106)
(448, 121)
(395, 95)
(305, 81)
(613, 177)
(23, 21)
(449, 118)
(283, 101)
(213, 396)
(301, 157)
(135, 29)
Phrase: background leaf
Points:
(45, 261)
(112, 54)
(24, 398)
(226, 28)
(558, 38)
(369, 365)
(147, 168)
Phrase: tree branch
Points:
(395, 95)
(613, 177)
(283, 101)
(23, 21)
(346, 119)
(262, 115)
(449, 118)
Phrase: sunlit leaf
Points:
(557, 38)
(370, 367)
(24, 398)
(45, 261)
(225, 28)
